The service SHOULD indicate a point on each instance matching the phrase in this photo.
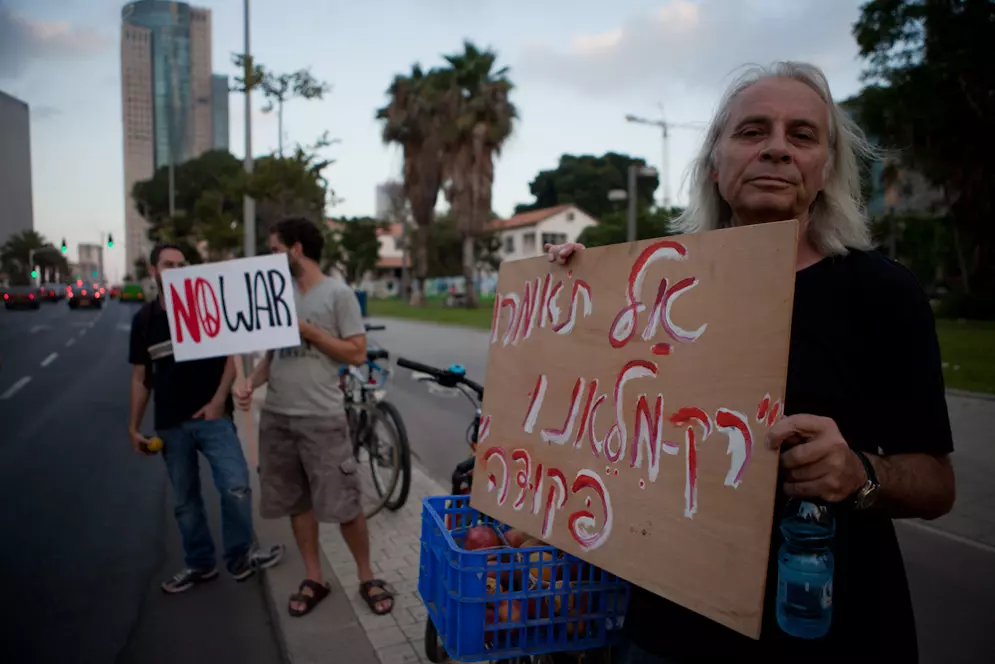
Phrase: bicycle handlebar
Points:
(374, 328)
(444, 377)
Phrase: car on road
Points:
(114, 293)
(21, 297)
(52, 292)
(133, 292)
(85, 295)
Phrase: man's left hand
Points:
(817, 461)
(307, 329)
(213, 410)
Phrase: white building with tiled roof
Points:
(525, 234)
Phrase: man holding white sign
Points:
(193, 414)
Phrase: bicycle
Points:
(462, 480)
(370, 415)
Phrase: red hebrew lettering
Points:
(485, 429)
(537, 489)
(735, 425)
(586, 413)
(596, 444)
(775, 411)
(624, 326)
(649, 437)
(562, 436)
(763, 408)
(525, 313)
(185, 314)
(553, 309)
(657, 313)
(556, 498)
(535, 405)
(581, 291)
(582, 523)
(687, 417)
(510, 300)
(633, 369)
(675, 332)
(543, 311)
(522, 476)
(496, 318)
(499, 454)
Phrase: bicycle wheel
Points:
(378, 446)
(399, 495)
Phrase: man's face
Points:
(294, 253)
(168, 259)
(771, 157)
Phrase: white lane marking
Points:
(124, 328)
(48, 360)
(82, 332)
(39, 328)
(70, 343)
(15, 388)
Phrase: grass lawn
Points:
(968, 347)
(968, 350)
(434, 311)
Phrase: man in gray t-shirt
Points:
(307, 468)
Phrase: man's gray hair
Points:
(837, 219)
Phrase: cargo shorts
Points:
(307, 463)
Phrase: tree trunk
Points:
(469, 271)
(420, 265)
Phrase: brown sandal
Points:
(319, 592)
(376, 598)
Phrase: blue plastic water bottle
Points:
(805, 570)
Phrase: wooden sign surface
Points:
(627, 400)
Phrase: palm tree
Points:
(15, 256)
(412, 119)
(479, 120)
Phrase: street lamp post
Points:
(635, 172)
(248, 204)
(665, 128)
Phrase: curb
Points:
(331, 631)
(967, 394)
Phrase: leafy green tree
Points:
(585, 180)
(352, 247)
(445, 248)
(15, 256)
(613, 227)
(479, 118)
(931, 94)
(413, 118)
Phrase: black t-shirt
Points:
(179, 389)
(864, 353)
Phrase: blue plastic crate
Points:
(579, 606)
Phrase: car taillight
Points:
(31, 296)
(84, 292)
(97, 295)
(51, 292)
(6, 296)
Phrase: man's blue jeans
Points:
(218, 442)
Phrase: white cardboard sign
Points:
(230, 308)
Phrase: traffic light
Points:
(94, 274)
(110, 240)
(34, 274)
(64, 249)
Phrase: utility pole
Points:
(635, 172)
(665, 128)
(248, 205)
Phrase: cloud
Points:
(24, 40)
(695, 46)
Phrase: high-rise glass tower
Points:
(166, 92)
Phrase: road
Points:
(952, 578)
(87, 525)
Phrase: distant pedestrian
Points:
(193, 408)
(308, 471)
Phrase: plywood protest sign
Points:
(229, 308)
(627, 399)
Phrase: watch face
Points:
(867, 496)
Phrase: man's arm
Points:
(914, 485)
(351, 350)
(139, 400)
(260, 374)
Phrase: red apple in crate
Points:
(516, 537)
(480, 537)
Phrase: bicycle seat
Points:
(377, 354)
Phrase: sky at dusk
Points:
(579, 66)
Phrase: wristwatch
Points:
(867, 494)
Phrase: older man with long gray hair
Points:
(867, 428)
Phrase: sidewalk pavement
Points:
(342, 628)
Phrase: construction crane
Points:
(665, 163)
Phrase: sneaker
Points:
(187, 579)
(258, 559)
